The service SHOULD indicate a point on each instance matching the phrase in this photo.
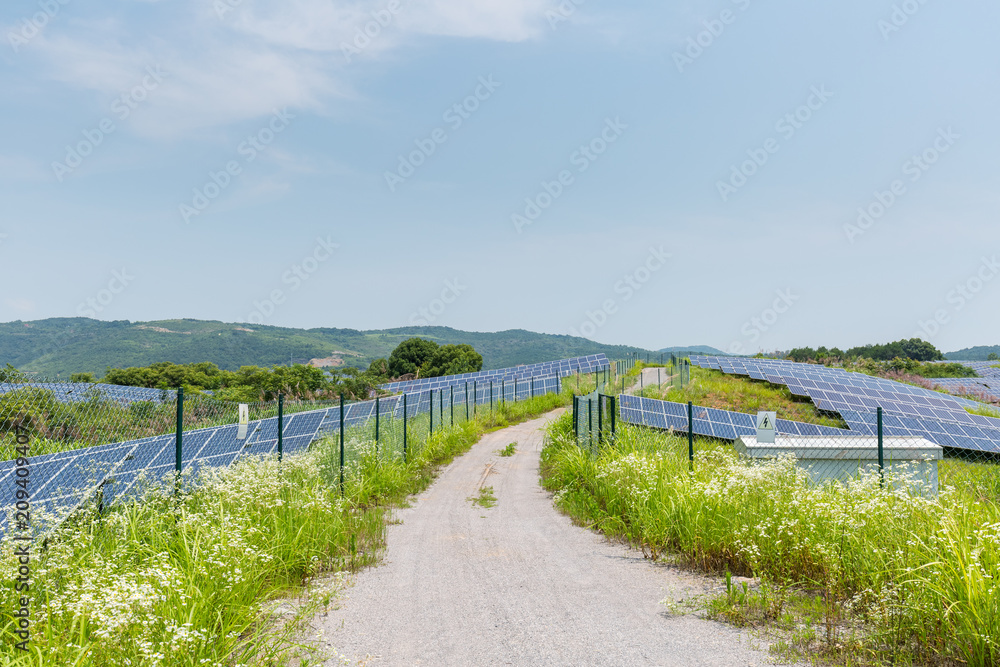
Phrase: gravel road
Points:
(516, 584)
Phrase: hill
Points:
(978, 353)
(696, 349)
(57, 347)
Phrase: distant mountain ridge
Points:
(57, 347)
(700, 349)
(978, 353)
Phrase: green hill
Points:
(57, 347)
(695, 349)
(979, 353)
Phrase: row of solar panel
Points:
(61, 481)
(860, 385)
(560, 368)
(76, 392)
(941, 419)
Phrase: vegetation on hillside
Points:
(914, 348)
(59, 347)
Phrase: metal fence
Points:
(66, 445)
(866, 449)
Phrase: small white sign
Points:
(241, 431)
(766, 426)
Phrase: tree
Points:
(82, 377)
(993, 356)
(410, 355)
(452, 360)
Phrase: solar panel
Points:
(938, 417)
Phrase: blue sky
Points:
(745, 174)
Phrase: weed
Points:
(485, 498)
(509, 450)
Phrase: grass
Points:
(485, 498)
(207, 577)
(889, 577)
(509, 450)
(715, 389)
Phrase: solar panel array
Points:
(561, 368)
(709, 422)
(986, 386)
(76, 392)
(908, 410)
(61, 482)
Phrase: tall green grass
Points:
(918, 574)
(195, 579)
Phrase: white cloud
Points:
(256, 58)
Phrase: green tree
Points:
(410, 355)
(82, 377)
(993, 356)
(452, 360)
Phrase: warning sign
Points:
(766, 426)
(241, 430)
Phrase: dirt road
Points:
(516, 584)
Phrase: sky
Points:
(737, 173)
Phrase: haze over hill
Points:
(57, 347)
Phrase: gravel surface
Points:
(517, 584)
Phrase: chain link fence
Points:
(920, 456)
(64, 444)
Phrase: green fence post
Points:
(515, 389)
(376, 425)
(281, 425)
(690, 436)
(451, 404)
(881, 460)
(466, 401)
(341, 444)
(179, 436)
(441, 406)
(590, 425)
(404, 428)
(600, 419)
(431, 394)
(532, 386)
(503, 391)
(475, 396)
(576, 419)
(614, 416)
(491, 396)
